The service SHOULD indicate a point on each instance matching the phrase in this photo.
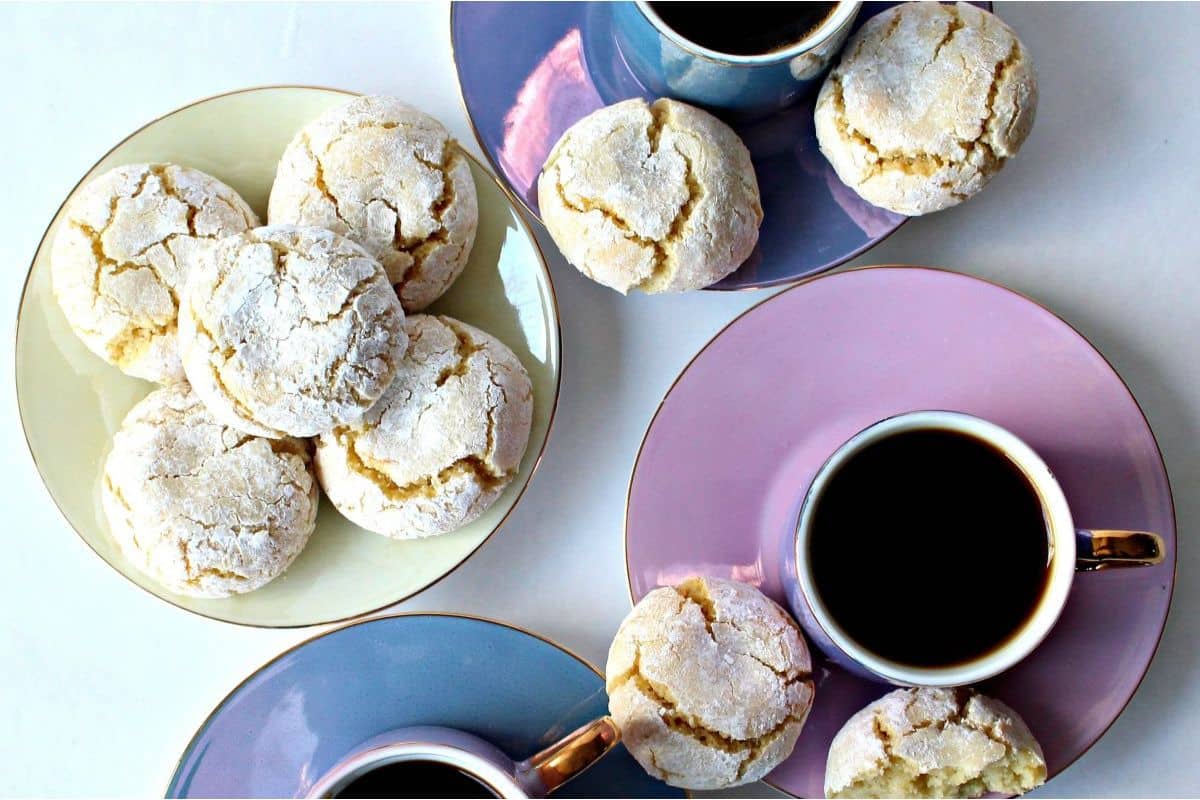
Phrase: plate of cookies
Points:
(273, 295)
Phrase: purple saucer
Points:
(528, 71)
(730, 453)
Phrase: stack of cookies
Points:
(268, 339)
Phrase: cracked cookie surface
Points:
(656, 197)
(927, 105)
(205, 509)
(390, 178)
(933, 743)
(123, 251)
(290, 331)
(441, 444)
(710, 683)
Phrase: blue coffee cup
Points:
(670, 65)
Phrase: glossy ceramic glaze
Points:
(299, 715)
(528, 71)
(71, 402)
(667, 63)
(726, 462)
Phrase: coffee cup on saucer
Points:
(936, 548)
(432, 761)
(749, 59)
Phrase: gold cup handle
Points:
(1109, 549)
(569, 756)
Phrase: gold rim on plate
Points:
(804, 282)
(557, 341)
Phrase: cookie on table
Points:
(123, 251)
(656, 197)
(290, 331)
(390, 178)
(710, 683)
(933, 743)
(202, 508)
(928, 103)
(444, 441)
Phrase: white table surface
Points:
(101, 685)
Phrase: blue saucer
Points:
(529, 70)
(297, 716)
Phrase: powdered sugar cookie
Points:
(390, 178)
(710, 683)
(290, 331)
(205, 509)
(657, 197)
(928, 103)
(441, 444)
(933, 743)
(123, 251)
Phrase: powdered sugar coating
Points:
(710, 683)
(928, 103)
(657, 197)
(202, 508)
(123, 252)
(933, 743)
(290, 331)
(389, 177)
(444, 441)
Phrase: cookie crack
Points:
(688, 725)
(998, 75)
(953, 27)
(218, 359)
(664, 773)
(465, 347)
(692, 590)
(319, 179)
(472, 466)
(928, 164)
(661, 270)
(418, 251)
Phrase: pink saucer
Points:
(727, 459)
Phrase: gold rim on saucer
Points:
(803, 282)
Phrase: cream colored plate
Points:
(71, 402)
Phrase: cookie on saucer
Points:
(123, 251)
(390, 178)
(934, 743)
(442, 443)
(710, 683)
(290, 331)
(656, 197)
(201, 507)
(929, 102)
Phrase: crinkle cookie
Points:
(204, 509)
(928, 103)
(710, 683)
(123, 251)
(660, 198)
(289, 331)
(389, 177)
(933, 743)
(440, 446)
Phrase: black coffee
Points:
(929, 548)
(415, 779)
(743, 29)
